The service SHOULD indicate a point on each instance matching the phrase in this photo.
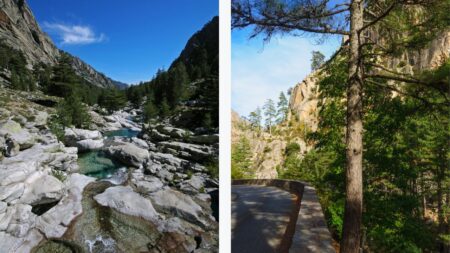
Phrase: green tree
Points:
(150, 109)
(164, 108)
(72, 112)
(352, 19)
(317, 60)
(255, 118)
(112, 100)
(135, 96)
(241, 164)
(270, 113)
(43, 74)
(178, 84)
(282, 108)
(64, 78)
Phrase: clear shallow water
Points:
(97, 164)
(101, 229)
(125, 132)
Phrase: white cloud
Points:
(74, 34)
(260, 72)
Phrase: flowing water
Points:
(101, 229)
(125, 132)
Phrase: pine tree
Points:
(270, 113)
(64, 78)
(282, 107)
(150, 109)
(241, 164)
(112, 99)
(178, 84)
(354, 20)
(255, 118)
(317, 60)
(72, 112)
(164, 108)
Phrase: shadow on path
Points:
(260, 216)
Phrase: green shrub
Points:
(213, 168)
(60, 175)
(56, 127)
(71, 111)
(292, 148)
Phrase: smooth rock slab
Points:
(3, 206)
(193, 185)
(149, 185)
(89, 145)
(11, 192)
(54, 222)
(73, 135)
(17, 133)
(44, 189)
(192, 151)
(125, 200)
(128, 154)
(179, 204)
(9, 243)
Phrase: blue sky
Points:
(126, 40)
(261, 71)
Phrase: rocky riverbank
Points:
(165, 180)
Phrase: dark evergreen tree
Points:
(112, 100)
(164, 108)
(241, 164)
(72, 112)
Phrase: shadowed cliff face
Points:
(20, 30)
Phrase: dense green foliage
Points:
(72, 112)
(241, 165)
(62, 81)
(58, 80)
(112, 100)
(14, 66)
(406, 163)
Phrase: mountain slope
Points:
(20, 30)
(188, 92)
(204, 41)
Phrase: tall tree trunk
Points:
(351, 234)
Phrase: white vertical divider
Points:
(225, 126)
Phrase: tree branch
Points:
(408, 80)
(380, 17)
(285, 20)
(423, 100)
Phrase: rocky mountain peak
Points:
(20, 30)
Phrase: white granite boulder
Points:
(125, 200)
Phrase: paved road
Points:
(260, 215)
